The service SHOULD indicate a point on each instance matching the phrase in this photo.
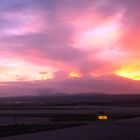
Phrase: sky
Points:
(69, 46)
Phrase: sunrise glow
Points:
(131, 75)
(18, 70)
(74, 75)
(72, 44)
(130, 71)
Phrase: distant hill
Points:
(79, 98)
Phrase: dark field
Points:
(23, 115)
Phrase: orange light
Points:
(102, 117)
(74, 75)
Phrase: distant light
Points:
(100, 117)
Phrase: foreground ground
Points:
(70, 118)
(126, 129)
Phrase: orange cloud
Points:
(74, 74)
(19, 70)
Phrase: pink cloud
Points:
(94, 38)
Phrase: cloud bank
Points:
(44, 41)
